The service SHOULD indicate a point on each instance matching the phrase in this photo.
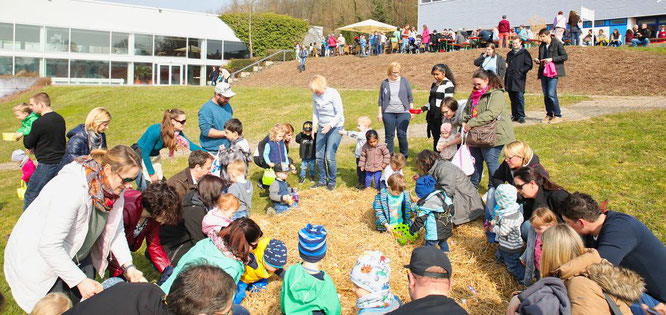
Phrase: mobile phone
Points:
(652, 311)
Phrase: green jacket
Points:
(302, 293)
(490, 106)
(26, 124)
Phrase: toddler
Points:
(26, 116)
(542, 219)
(25, 163)
(275, 151)
(433, 213)
(267, 259)
(370, 277)
(306, 140)
(239, 149)
(446, 150)
(396, 164)
(392, 204)
(241, 188)
(362, 125)
(505, 224)
(218, 218)
(280, 193)
(52, 304)
(374, 158)
(305, 288)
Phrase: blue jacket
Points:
(434, 212)
(382, 212)
(151, 143)
(77, 145)
(214, 116)
(275, 152)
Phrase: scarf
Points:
(99, 188)
(375, 300)
(476, 96)
(94, 140)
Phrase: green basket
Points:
(402, 235)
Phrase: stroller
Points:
(412, 48)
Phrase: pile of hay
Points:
(479, 284)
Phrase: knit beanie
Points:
(312, 243)
(424, 186)
(445, 128)
(505, 198)
(371, 272)
(275, 254)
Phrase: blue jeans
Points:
(239, 310)
(326, 147)
(301, 65)
(616, 43)
(549, 87)
(141, 183)
(369, 176)
(362, 50)
(512, 262)
(646, 299)
(517, 104)
(254, 287)
(42, 175)
(283, 207)
(405, 43)
(239, 214)
(443, 244)
(490, 156)
(361, 174)
(307, 165)
(575, 38)
(635, 42)
(399, 121)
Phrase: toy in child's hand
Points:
(294, 194)
(402, 235)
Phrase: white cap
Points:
(224, 89)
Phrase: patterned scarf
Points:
(99, 188)
(476, 96)
(381, 299)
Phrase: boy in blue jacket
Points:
(434, 212)
(392, 204)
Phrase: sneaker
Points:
(312, 179)
(318, 184)
(330, 187)
(546, 120)
(301, 180)
(556, 120)
(270, 211)
(360, 186)
(521, 120)
(514, 119)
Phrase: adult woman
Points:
(143, 215)
(602, 40)
(537, 191)
(450, 114)
(560, 24)
(70, 230)
(395, 101)
(551, 51)
(425, 38)
(444, 86)
(466, 201)
(179, 238)
(239, 238)
(328, 118)
(519, 62)
(168, 134)
(87, 137)
(491, 61)
(486, 104)
(616, 38)
(574, 27)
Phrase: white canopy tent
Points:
(368, 26)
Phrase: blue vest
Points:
(277, 152)
(284, 188)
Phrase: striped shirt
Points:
(508, 232)
(437, 95)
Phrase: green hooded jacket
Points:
(26, 124)
(490, 106)
(302, 293)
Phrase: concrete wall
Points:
(9, 86)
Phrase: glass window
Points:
(143, 73)
(214, 49)
(425, 1)
(89, 69)
(587, 24)
(90, 42)
(26, 66)
(170, 46)
(57, 68)
(193, 75)
(6, 36)
(119, 43)
(57, 39)
(618, 22)
(599, 23)
(143, 45)
(119, 71)
(6, 65)
(235, 50)
(194, 48)
(27, 37)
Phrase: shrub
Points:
(269, 30)
(237, 64)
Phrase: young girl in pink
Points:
(542, 219)
(219, 218)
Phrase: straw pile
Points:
(479, 284)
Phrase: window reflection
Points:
(194, 48)
(214, 49)
(143, 73)
(57, 39)
(193, 75)
(57, 68)
(90, 42)
(27, 37)
(6, 36)
(119, 43)
(170, 46)
(6, 65)
(89, 69)
(235, 50)
(143, 45)
(24, 66)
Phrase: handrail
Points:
(284, 58)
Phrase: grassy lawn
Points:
(609, 157)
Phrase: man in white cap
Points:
(212, 117)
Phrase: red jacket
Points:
(504, 26)
(131, 216)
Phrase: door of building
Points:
(170, 75)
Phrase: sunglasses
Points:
(127, 180)
(520, 187)
(182, 122)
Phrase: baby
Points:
(26, 116)
(446, 150)
(220, 217)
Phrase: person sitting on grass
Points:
(267, 259)
(362, 126)
(395, 166)
(370, 278)
(279, 192)
(240, 188)
(602, 40)
(542, 219)
(199, 163)
(374, 158)
(392, 204)
(433, 213)
(505, 224)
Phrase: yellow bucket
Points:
(21, 190)
(8, 136)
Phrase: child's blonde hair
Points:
(236, 169)
(398, 161)
(96, 117)
(561, 244)
(543, 216)
(364, 121)
(23, 108)
(278, 129)
(228, 202)
(52, 304)
(397, 183)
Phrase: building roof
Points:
(97, 15)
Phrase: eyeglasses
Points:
(520, 187)
(127, 180)
(182, 122)
(506, 157)
(395, 72)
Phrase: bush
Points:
(237, 64)
(269, 30)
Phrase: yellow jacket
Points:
(255, 273)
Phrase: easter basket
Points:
(402, 235)
(21, 190)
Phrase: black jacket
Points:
(78, 145)
(431, 304)
(307, 146)
(124, 298)
(500, 64)
(178, 239)
(555, 51)
(519, 63)
(551, 199)
(504, 174)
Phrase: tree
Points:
(378, 12)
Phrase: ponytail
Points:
(167, 130)
(120, 157)
(238, 236)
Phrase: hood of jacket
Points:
(192, 199)
(304, 287)
(545, 296)
(78, 130)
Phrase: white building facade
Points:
(91, 42)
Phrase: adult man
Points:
(199, 164)
(642, 37)
(47, 140)
(622, 240)
(504, 29)
(341, 44)
(213, 76)
(212, 117)
(551, 50)
(429, 284)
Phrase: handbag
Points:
(20, 192)
(549, 70)
(484, 135)
(268, 177)
(463, 159)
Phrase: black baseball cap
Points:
(426, 257)
(307, 126)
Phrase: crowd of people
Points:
(573, 255)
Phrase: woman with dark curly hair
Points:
(143, 215)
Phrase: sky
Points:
(206, 6)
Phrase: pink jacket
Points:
(27, 169)
(332, 42)
(212, 224)
(425, 37)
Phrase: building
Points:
(92, 42)
(470, 14)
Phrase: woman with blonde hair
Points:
(328, 118)
(395, 101)
(88, 136)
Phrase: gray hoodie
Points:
(242, 191)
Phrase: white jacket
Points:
(50, 232)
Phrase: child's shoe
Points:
(301, 180)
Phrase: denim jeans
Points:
(239, 214)
(512, 262)
(616, 43)
(517, 104)
(239, 310)
(399, 121)
(283, 207)
(42, 175)
(405, 43)
(242, 287)
(301, 65)
(443, 244)
(490, 156)
(361, 174)
(575, 37)
(326, 147)
(362, 50)
(635, 42)
(307, 165)
(372, 175)
(549, 87)
(646, 299)
(525, 227)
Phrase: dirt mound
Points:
(589, 71)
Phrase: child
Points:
(275, 151)
(52, 304)
(26, 116)
(280, 193)
(374, 158)
(305, 288)
(542, 219)
(267, 259)
(25, 163)
(506, 225)
(219, 217)
(434, 213)
(396, 164)
(446, 150)
(307, 151)
(239, 149)
(370, 277)
(392, 204)
(240, 188)
(362, 125)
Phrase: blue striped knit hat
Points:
(275, 254)
(312, 243)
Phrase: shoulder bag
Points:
(484, 135)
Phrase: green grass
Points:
(661, 50)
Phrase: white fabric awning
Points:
(368, 26)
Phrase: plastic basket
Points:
(8, 136)
(402, 235)
(20, 192)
